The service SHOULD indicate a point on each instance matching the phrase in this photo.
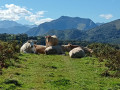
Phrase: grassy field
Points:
(56, 72)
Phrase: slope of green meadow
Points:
(56, 72)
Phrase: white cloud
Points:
(35, 18)
(14, 12)
(43, 20)
(106, 16)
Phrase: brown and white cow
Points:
(51, 40)
(28, 47)
(39, 49)
(67, 48)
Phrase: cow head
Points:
(48, 38)
(69, 47)
(32, 42)
(72, 46)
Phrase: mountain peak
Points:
(8, 23)
(68, 17)
(62, 23)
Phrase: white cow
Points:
(77, 53)
(54, 50)
(28, 47)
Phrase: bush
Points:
(109, 54)
(8, 51)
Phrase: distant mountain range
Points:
(62, 23)
(13, 27)
(8, 24)
(69, 28)
(105, 33)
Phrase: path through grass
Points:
(56, 72)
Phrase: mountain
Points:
(3, 30)
(31, 26)
(14, 30)
(71, 34)
(99, 24)
(62, 23)
(13, 27)
(7, 24)
(106, 33)
(18, 29)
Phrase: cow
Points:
(28, 47)
(87, 50)
(70, 47)
(39, 49)
(77, 52)
(67, 48)
(54, 50)
(51, 40)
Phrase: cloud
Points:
(14, 12)
(106, 16)
(35, 18)
(43, 20)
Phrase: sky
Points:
(40, 11)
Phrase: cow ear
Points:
(69, 44)
(35, 45)
(47, 36)
(28, 41)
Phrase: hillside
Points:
(45, 72)
(107, 33)
(99, 23)
(71, 34)
(62, 23)
(14, 30)
(7, 24)
(17, 29)
(12, 27)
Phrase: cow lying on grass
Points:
(54, 50)
(62, 49)
(77, 53)
(59, 49)
(39, 49)
(28, 47)
(67, 48)
(51, 40)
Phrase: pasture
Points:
(56, 72)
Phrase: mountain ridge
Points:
(13, 27)
(62, 23)
(105, 33)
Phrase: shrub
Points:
(8, 51)
(109, 54)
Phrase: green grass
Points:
(56, 72)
